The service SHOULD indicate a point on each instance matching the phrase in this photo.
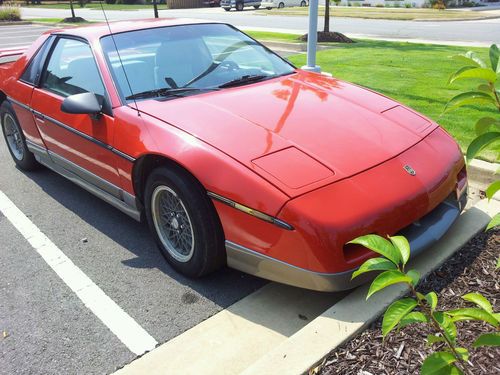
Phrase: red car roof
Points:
(96, 31)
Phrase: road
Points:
(483, 32)
(48, 329)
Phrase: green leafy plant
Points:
(486, 93)
(423, 309)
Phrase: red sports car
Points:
(231, 154)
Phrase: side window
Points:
(31, 73)
(72, 70)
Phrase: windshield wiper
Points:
(246, 79)
(165, 92)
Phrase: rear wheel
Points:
(184, 222)
(239, 7)
(256, 6)
(281, 5)
(303, 3)
(14, 137)
(227, 9)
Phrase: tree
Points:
(72, 9)
(326, 28)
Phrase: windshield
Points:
(183, 60)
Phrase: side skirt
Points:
(109, 193)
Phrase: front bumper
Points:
(421, 234)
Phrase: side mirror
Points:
(85, 103)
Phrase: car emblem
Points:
(410, 170)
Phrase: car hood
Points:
(299, 131)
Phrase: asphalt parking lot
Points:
(46, 327)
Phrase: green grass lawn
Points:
(59, 21)
(382, 13)
(414, 74)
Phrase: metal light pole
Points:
(155, 7)
(312, 37)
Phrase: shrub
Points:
(449, 358)
(10, 13)
(408, 5)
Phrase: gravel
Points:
(472, 269)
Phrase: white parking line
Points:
(118, 321)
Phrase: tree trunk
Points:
(72, 9)
(155, 6)
(326, 29)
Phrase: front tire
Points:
(303, 3)
(14, 137)
(239, 7)
(281, 5)
(256, 6)
(184, 222)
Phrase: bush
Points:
(10, 13)
(110, 1)
(407, 5)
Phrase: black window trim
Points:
(43, 51)
(107, 107)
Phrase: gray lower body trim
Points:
(108, 192)
(420, 234)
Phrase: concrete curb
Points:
(347, 318)
(482, 173)
(15, 23)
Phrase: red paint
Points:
(321, 154)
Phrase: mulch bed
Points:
(472, 269)
(330, 36)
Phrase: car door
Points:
(80, 143)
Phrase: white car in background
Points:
(269, 4)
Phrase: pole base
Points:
(315, 68)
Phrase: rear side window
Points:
(32, 73)
(72, 70)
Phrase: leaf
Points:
(374, 264)
(476, 73)
(460, 71)
(414, 275)
(494, 56)
(475, 314)
(420, 296)
(484, 87)
(479, 143)
(471, 58)
(492, 224)
(403, 246)
(413, 317)
(463, 353)
(379, 245)
(469, 97)
(447, 324)
(488, 339)
(484, 124)
(395, 312)
(438, 363)
(432, 300)
(387, 278)
(479, 300)
(492, 189)
(431, 339)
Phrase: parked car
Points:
(269, 4)
(239, 4)
(231, 154)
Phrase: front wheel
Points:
(281, 5)
(256, 6)
(14, 137)
(184, 222)
(239, 7)
(227, 9)
(303, 4)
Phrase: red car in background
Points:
(231, 154)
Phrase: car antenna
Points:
(119, 58)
